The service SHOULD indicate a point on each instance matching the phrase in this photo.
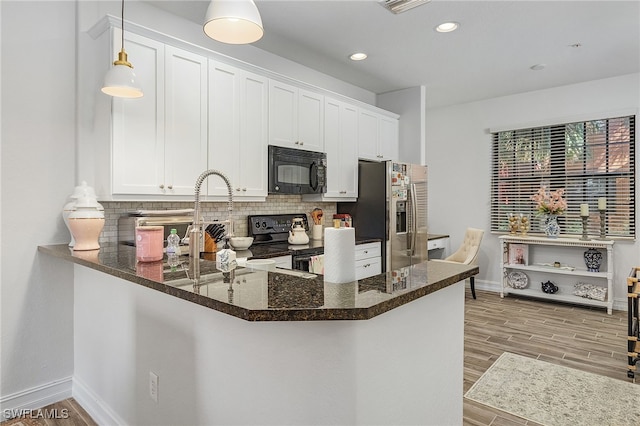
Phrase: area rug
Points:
(553, 395)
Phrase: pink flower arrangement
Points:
(550, 202)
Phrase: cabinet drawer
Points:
(367, 251)
(436, 244)
(368, 267)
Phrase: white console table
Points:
(560, 260)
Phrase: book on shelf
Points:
(518, 254)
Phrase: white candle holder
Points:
(585, 220)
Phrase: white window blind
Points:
(589, 160)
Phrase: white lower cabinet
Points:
(368, 260)
(238, 131)
(159, 141)
(528, 262)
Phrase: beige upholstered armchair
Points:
(468, 252)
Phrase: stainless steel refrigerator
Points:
(392, 206)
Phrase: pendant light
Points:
(233, 21)
(120, 81)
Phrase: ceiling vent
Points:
(399, 6)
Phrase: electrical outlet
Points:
(153, 386)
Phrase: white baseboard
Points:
(99, 411)
(35, 398)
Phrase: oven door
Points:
(313, 263)
(293, 171)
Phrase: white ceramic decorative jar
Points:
(82, 190)
(86, 223)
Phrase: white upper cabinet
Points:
(159, 141)
(238, 131)
(185, 120)
(388, 137)
(340, 143)
(296, 117)
(377, 136)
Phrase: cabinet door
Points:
(283, 114)
(388, 138)
(341, 132)
(296, 118)
(137, 145)
(349, 150)
(332, 146)
(310, 121)
(254, 92)
(238, 131)
(224, 126)
(368, 135)
(185, 120)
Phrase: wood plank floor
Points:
(583, 338)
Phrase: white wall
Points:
(410, 105)
(459, 160)
(37, 154)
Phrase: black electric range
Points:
(271, 232)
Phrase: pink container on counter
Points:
(149, 243)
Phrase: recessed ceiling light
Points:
(447, 27)
(538, 67)
(358, 56)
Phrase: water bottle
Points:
(173, 248)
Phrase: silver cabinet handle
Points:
(161, 186)
(244, 189)
(170, 186)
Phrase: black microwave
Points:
(295, 171)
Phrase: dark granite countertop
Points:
(271, 296)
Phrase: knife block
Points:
(210, 245)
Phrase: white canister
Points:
(82, 190)
(316, 232)
(86, 223)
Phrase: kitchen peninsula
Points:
(390, 354)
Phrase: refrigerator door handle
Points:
(414, 217)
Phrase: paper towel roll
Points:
(342, 295)
(339, 255)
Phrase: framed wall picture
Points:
(518, 254)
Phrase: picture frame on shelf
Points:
(518, 254)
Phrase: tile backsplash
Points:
(275, 204)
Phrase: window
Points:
(589, 160)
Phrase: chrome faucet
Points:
(195, 234)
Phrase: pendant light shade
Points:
(120, 80)
(233, 21)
